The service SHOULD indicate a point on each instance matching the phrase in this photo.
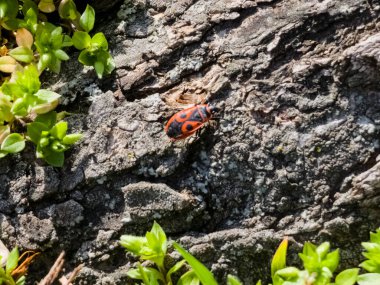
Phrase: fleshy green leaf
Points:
(48, 119)
(87, 19)
(132, 243)
(47, 96)
(46, 6)
(287, 273)
(34, 131)
(189, 278)
(369, 279)
(61, 55)
(12, 261)
(4, 132)
(204, 275)
(71, 139)
(68, 10)
(19, 108)
(86, 58)
(59, 130)
(8, 9)
(67, 42)
(99, 40)
(7, 64)
(12, 89)
(347, 277)
(13, 143)
(99, 68)
(21, 280)
(279, 258)
(174, 269)
(81, 40)
(232, 280)
(22, 54)
(54, 158)
(5, 110)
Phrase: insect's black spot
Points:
(183, 116)
(189, 127)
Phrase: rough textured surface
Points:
(295, 151)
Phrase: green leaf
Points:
(149, 275)
(204, 275)
(31, 19)
(99, 68)
(34, 131)
(369, 279)
(5, 110)
(99, 41)
(68, 10)
(19, 108)
(4, 132)
(156, 245)
(232, 280)
(3, 154)
(46, 6)
(87, 19)
(110, 64)
(21, 280)
(7, 64)
(47, 96)
(279, 258)
(370, 266)
(29, 4)
(12, 89)
(11, 24)
(67, 42)
(71, 139)
(29, 79)
(12, 260)
(189, 278)
(44, 107)
(375, 237)
(81, 40)
(86, 58)
(13, 143)
(132, 243)
(58, 146)
(8, 9)
(53, 158)
(174, 269)
(49, 119)
(287, 273)
(347, 277)
(160, 237)
(331, 261)
(61, 55)
(22, 54)
(258, 282)
(59, 130)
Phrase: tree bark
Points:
(294, 152)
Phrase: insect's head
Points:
(213, 109)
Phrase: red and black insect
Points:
(188, 121)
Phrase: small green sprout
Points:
(49, 43)
(25, 94)
(51, 138)
(94, 50)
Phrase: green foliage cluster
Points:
(319, 264)
(7, 273)
(29, 45)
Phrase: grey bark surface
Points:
(294, 153)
